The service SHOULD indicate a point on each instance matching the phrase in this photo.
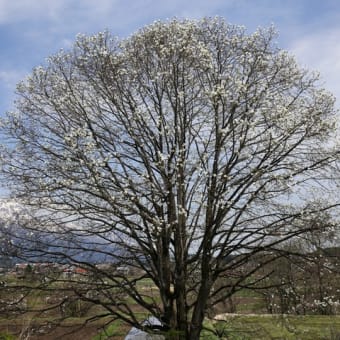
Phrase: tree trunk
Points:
(182, 318)
(201, 303)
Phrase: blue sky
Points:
(31, 30)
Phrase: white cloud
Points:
(9, 78)
(106, 12)
(47, 25)
(51, 24)
(321, 52)
(14, 11)
(44, 26)
(8, 81)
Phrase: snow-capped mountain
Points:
(22, 239)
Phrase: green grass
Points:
(235, 327)
(274, 327)
(114, 329)
(247, 293)
(261, 327)
(6, 336)
(251, 307)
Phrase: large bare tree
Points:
(185, 150)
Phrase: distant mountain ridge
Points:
(18, 243)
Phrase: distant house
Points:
(123, 270)
(137, 334)
(21, 266)
(70, 270)
(81, 271)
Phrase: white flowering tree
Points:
(305, 280)
(184, 151)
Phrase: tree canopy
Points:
(189, 147)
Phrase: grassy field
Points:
(246, 324)
(262, 327)
(232, 327)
